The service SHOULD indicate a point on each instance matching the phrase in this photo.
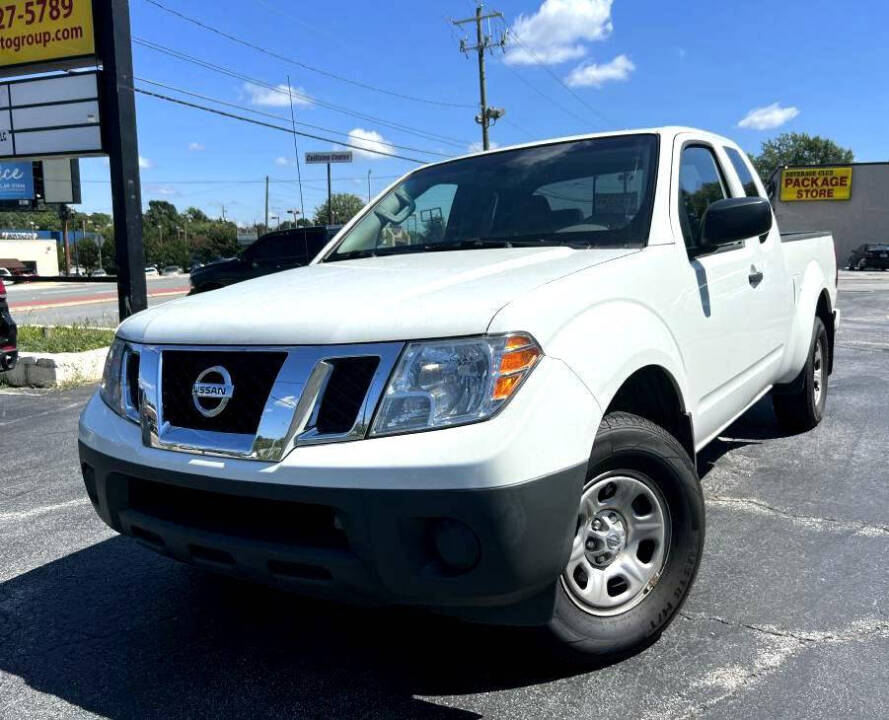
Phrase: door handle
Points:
(755, 276)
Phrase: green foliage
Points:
(798, 149)
(345, 207)
(33, 338)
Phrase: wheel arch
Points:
(653, 393)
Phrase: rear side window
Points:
(743, 171)
(700, 185)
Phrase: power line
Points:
(244, 108)
(252, 121)
(514, 36)
(320, 71)
(546, 97)
(206, 64)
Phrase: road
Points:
(789, 616)
(83, 303)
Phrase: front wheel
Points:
(637, 544)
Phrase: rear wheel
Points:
(802, 408)
(638, 540)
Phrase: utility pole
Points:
(488, 115)
(329, 199)
(266, 203)
(368, 185)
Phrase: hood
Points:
(216, 264)
(398, 297)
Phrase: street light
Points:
(294, 213)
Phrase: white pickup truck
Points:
(485, 395)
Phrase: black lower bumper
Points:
(486, 554)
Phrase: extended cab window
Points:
(586, 193)
(700, 185)
(744, 174)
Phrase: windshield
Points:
(586, 193)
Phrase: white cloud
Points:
(369, 140)
(196, 146)
(145, 163)
(282, 161)
(591, 74)
(557, 31)
(766, 118)
(476, 146)
(275, 97)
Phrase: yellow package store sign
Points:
(37, 31)
(826, 183)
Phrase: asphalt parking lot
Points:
(789, 617)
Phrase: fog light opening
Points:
(456, 545)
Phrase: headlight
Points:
(453, 382)
(121, 370)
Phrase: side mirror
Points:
(733, 219)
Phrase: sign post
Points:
(317, 158)
(119, 132)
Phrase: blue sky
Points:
(816, 67)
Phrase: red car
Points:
(9, 352)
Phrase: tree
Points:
(798, 149)
(345, 207)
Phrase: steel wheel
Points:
(620, 545)
(818, 373)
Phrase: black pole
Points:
(329, 199)
(118, 116)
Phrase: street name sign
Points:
(322, 158)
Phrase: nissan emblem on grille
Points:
(210, 398)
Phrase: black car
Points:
(279, 250)
(869, 256)
(9, 352)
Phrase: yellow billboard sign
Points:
(39, 31)
(816, 183)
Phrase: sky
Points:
(384, 74)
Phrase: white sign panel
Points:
(50, 116)
(338, 156)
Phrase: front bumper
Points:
(489, 554)
(363, 521)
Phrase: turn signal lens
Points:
(520, 354)
(518, 360)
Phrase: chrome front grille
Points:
(282, 397)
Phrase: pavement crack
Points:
(758, 507)
(777, 647)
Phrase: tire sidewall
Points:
(819, 335)
(642, 448)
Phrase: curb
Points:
(57, 369)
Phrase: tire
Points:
(801, 408)
(636, 456)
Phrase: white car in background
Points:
(496, 417)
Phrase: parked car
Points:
(486, 397)
(273, 252)
(8, 333)
(171, 270)
(6, 276)
(151, 270)
(98, 273)
(869, 256)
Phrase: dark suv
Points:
(869, 256)
(9, 352)
(272, 252)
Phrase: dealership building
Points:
(29, 252)
(851, 201)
